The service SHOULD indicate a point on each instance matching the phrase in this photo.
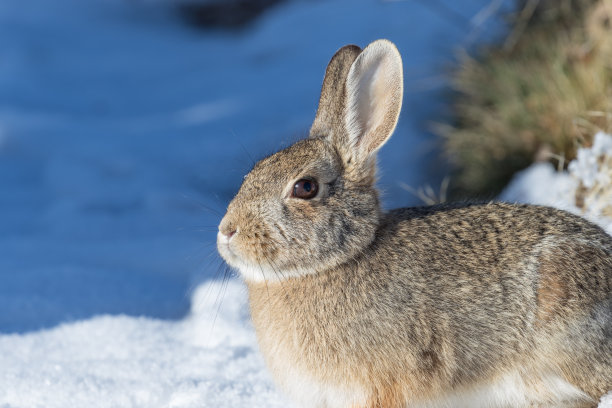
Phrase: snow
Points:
(586, 167)
(123, 134)
(542, 184)
(207, 359)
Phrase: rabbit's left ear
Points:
(374, 90)
(333, 94)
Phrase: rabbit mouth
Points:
(238, 261)
(256, 263)
(253, 270)
(225, 249)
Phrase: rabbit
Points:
(455, 305)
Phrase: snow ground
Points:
(122, 136)
(120, 361)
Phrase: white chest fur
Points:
(307, 392)
(509, 391)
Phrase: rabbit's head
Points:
(314, 205)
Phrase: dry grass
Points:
(427, 194)
(544, 95)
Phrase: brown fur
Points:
(356, 307)
(429, 310)
(553, 291)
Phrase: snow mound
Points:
(585, 189)
(588, 166)
(209, 359)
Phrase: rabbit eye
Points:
(305, 189)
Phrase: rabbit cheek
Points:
(257, 245)
(301, 213)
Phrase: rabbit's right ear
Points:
(374, 86)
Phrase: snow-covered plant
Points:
(592, 168)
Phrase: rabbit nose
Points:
(228, 234)
(227, 229)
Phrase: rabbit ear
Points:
(333, 95)
(374, 89)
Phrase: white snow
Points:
(606, 401)
(123, 135)
(208, 359)
(542, 184)
(586, 167)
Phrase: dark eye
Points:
(305, 189)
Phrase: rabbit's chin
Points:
(257, 272)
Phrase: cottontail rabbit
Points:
(468, 305)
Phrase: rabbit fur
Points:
(457, 305)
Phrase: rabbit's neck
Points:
(322, 320)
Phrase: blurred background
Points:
(126, 127)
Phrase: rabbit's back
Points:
(532, 262)
(529, 284)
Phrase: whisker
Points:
(200, 229)
(197, 251)
(221, 294)
(201, 226)
(215, 276)
(264, 279)
(278, 272)
(253, 162)
(203, 206)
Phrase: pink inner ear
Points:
(380, 95)
(374, 88)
